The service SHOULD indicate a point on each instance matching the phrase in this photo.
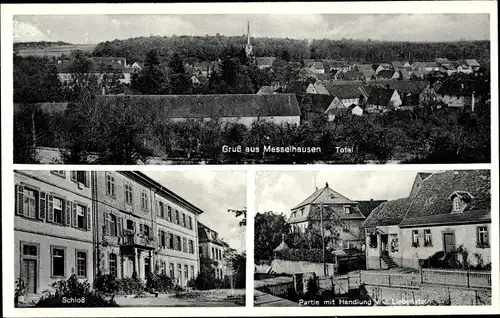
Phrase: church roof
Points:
(281, 247)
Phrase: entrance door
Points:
(384, 240)
(29, 275)
(147, 266)
(449, 242)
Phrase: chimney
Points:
(327, 184)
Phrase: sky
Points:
(80, 29)
(214, 193)
(280, 191)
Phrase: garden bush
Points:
(159, 283)
(74, 293)
(131, 286)
(107, 284)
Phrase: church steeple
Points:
(248, 46)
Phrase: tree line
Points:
(210, 48)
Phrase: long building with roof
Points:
(444, 212)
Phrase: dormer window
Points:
(459, 200)
(347, 210)
(302, 211)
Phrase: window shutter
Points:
(42, 208)
(106, 223)
(89, 218)
(486, 239)
(477, 235)
(159, 237)
(75, 219)
(141, 228)
(50, 209)
(73, 176)
(20, 199)
(87, 179)
(120, 226)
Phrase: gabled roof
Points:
(329, 64)
(462, 88)
(320, 102)
(366, 207)
(297, 87)
(308, 62)
(385, 74)
(266, 90)
(414, 87)
(472, 62)
(344, 91)
(324, 195)
(442, 60)
(424, 175)
(387, 213)
(206, 234)
(380, 96)
(431, 205)
(318, 65)
(211, 106)
(353, 75)
(366, 70)
(281, 247)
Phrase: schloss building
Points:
(86, 222)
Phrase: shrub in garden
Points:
(159, 283)
(130, 286)
(74, 293)
(107, 284)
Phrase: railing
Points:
(279, 290)
(132, 239)
(460, 278)
(391, 280)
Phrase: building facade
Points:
(53, 227)
(213, 248)
(446, 216)
(101, 222)
(326, 205)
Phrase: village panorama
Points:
(242, 99)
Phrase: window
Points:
(191, 247)
(112, 225)
(171, 241)
(414, 238)
(162, 210)
(171, 268)
(427, 238)
(213, 253)
(373, 241)
(347, 210)
(190, 223)
(128, 193)
(30, 250)
(192, 272)
(482, 237)
(81, 216)
(163, 240)
(144, 200)
(110, 184)
(186, 272)
(184, 220)
(163, 267)
(179, 271)
(81, 264)
(178, 243)
(81, 177)
(177, 217)
(60, 173)
(145, 230)
(130, 225)
(456, 204)
(29, 205)
(169, 216)
(345, 227)
(394, 243)
(184, 245)
(302, 211)
(58, 262)
(113, 269)
(58, 210)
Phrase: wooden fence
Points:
(455, 278)
(470, 279)
(391, 280)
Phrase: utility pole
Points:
(322, 237)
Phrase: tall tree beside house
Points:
(269, 231)
(237, 263)
(240, 213)
(25, 139)
(85, 81)
(179, 82)
(153, 79)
